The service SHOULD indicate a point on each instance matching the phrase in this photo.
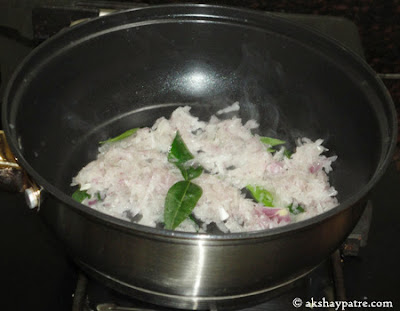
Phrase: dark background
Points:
(378, 23)
(25, 267)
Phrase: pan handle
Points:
(13, 177)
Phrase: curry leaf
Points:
(271, 141)
(80, 195)
(98, 196)
(261, 195)
(275, 142)
(193, 172)
(179, 155)
(121, 136)
(181, 198)
(295, 210)
(194, 222)
(287, 153)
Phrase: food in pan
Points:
(220, 176)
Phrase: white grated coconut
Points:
(130, 178)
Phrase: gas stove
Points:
(319, 283)
(38, 274)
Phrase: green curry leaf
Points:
(181, 198)
(179, 152)
(271, 141)
(193, 172)
(295, 210)
(287, 153)
(179, 155)
(80, 195)
(194, 222)
(121, 136)
(261, 195)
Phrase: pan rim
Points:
(179, 235)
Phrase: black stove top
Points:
(38, 275)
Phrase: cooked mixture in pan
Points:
(189, 175)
